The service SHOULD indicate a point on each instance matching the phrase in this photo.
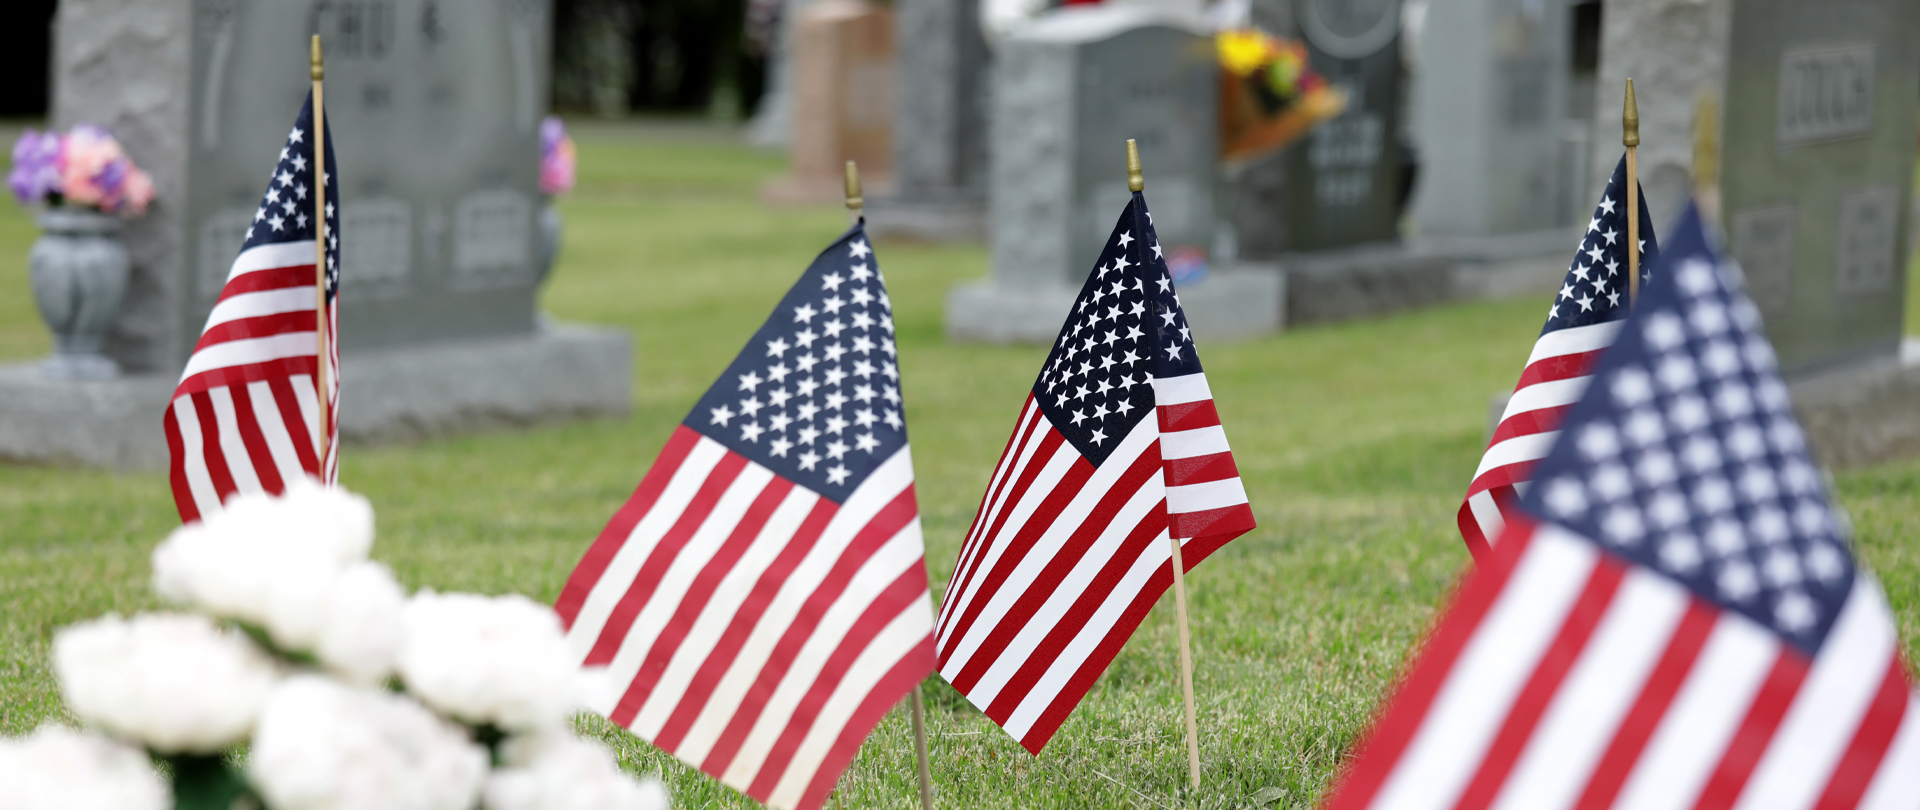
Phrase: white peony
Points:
(489, 660)
(324, 746)
(173, 682)
(360, 638)
(276, 563)
(563, 772)
(61, 769)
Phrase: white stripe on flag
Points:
(1531, 447)
(880, 488)
(1006, 475)
(1486, 512)
(199, 480)
(1204, 496)
(232, 445)
(657, 606)
(266, 413)
(1206, 441)
(1181, 390)
(1548, 394)
(1705, 712)
(1597, 693)
(261, 303)
(1826, 711)
(1055, 468)
(309, 408)
(1575, 340)
(722, 611)
(273, 257)
(248, 351)
(1473, 702)
(625, 565)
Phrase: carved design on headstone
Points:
(378, 249)
(492, 239)
(1869, 227)
(1350, 29)
(1825, 94)
(1763, 245)
(221, 235)
(1343, 152)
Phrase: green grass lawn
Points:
(1356, 442)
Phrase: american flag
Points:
(1117, 448)
(1675, 621)
(762, 600)
(1581, 323)
(246, 415)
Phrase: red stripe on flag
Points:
(1529, 423)
(720, 659)
(1058, 498)
(1656, 696)
(245, 373)
(1755, 732)
(614, 633)
(1602, 583)
(1188, 416)
(277, 278)
(258, 456)
(601, 553)
(1207, 530)
(1563, 367)
(999, 496)
(885, 524)
(908, 588)
(1380, 749)
(216, 458)
(296, 422)
(1048, 579)
(1201, 469)
(899, 681)
(177, 468)
(699, 592)
(1856, 768)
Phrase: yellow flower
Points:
(1244, 51)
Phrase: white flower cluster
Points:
(567, 773)
(296, 567)
(324, 745)
(178, 684)
(61, 769)
(293, 573)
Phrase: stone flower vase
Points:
(79, 271)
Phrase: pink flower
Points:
(556, 157)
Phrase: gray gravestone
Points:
(1821, 101)
(1069, 90)
(1345, 178)
(1499, 174)
(434, 107)
(939, 125)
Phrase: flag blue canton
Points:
(1684, 455)
(1595, 290)
(286, 210)
(1125, 330)
(815, 395)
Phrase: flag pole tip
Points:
(1135, 181)
(1630, 119)
(1706, 142)
(854, 199)
(318, 69)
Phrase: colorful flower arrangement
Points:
(556, 157)
(346, 692)
(1269, 94)
(84, 167)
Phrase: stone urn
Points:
(79, 271)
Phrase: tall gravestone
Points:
(939, 125)
(1820, 104)
(1346, 176)
(1069, 90)
(841, 90)
(434, 108)
(1498, 173)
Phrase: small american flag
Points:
(1674, 620)
(761, 601)
(1117, 448)
(1581, 323)
(246, 416)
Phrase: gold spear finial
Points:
(318, 69)
(855, 201)
(1630, 119)
(1135, 181)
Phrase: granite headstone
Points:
(1346, 177)
(1069, 90)
(434, 107)
(939, 125)
(842, 100)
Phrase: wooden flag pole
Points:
(1630, 135)
(1706, 158)
(856, 206)
(319, 72)
(1136, 181)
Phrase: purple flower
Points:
(552, 132)
(36, 166)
